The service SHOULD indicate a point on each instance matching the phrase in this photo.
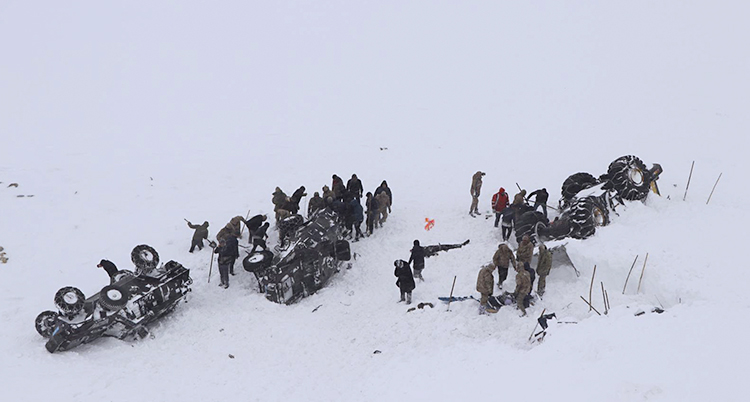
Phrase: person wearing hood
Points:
(280, 201)
(543, 267)
(499, 203)
(502, 259)
(475, 190)
(525, 250)
(228, 253)
(405, 281)
(485, 286)
(200, 234)
(518, 199)
(316, 203)
(372, 212)
(523, 287)
(327, 193)
(354, 187)
(384, 188)
(338, 188)
(259, 237)
(417, 257)
(293, 204)
(541, 199)
(508, 216)
(355, 216)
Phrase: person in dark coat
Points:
(259, 237)
(372, 212)
(355, 215)
(200, 234)
(228, 253)
(354, 187)
(384, 187)
(111, 269)
(532, 274)
(405, 281)
(338, 188)
(316, 203)
(541, 199)
(417, 257)
(508, 215)
(254, 223)
(293, 205)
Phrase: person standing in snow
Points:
(384, 188)
(476, 189)
(280, 201)
(417, 257)
(525, 250)
(253, 224)
(226, 259)
(200, 234)
(508, 215)
(354, 187)
(372, 212)
(405, 281)
(327, 193)
(485, 286)
(542, 268)
(499, 203)
(383, 203)
(519, 199)
(523, 287)
(356, 216)
(502, 259)
(293, 204)
(541, 199)
(338, 188)
(259, 237)
(110, 268)
(316, 203)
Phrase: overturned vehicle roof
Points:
(121, 309)
(315, 252)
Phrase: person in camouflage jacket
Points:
(525, 250)
(485, 285)
(316, 203)
(475, 190)
(543, 267)
(200, 234)
(523, 287)
(383, 203)
(502, 259)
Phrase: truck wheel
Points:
(527, 223)
(575, 183)
(585, 215)
(257, 261)
(629, 177)
(342, 250)
(69, 300)
(113, 297)
(45, 323)
(144, 257)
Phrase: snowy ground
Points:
(121, 120)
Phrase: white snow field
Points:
(123, 118)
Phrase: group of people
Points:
(403, 272)
(525, 274)
(228, 241)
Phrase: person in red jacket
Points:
(499, 203)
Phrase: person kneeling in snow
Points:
(405, 281)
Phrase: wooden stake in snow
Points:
(591, 288)
(590, 306)
(712, 190)
(537, 323)
(688, 183)
(629, 272)
(210, 266)
(604, 298)
(451, 296)
(641, 278)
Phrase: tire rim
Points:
(70, 298)
(114, 295)
(598, 217)
(147, 256)
(636, 176)
(255, 258)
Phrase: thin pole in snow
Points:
(537, 323)
(629, 272)
(642, 270)
(591, 288)
(712, 190)
(688, 183)
(604, 298)
(451, 296)
(590, 306)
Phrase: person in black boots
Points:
(200, 234)
(405, 281)
(354, 187)
(541, 199)
(372, 212)
(228, 253)
(417, 257)
(111, 269)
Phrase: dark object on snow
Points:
(587, 201)
(121, 310)
(543, 320)
(110, 267)
(656, 310)
(314, 254)
(430, 251)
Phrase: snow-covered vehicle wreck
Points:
(315, 250)
(121, 309)
(587, 200)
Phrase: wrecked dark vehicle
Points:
(122, 309)
(314, 251)
(587, 201)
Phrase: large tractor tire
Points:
(145, 258)
(45, 323)
(576, 183)
(290, 223)
(528, 223)
(69, 300)
(629, 177)
(585, 215)
(113, 298)
(257, 261)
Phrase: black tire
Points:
(122, 274)
(144, 257)
(342, 250)
(45, 323)
(257, 261)
(527, 224)
(585, 215)
(290, 223)
(575, 183)
(113, 297)
(629, 177)
(69, 300)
